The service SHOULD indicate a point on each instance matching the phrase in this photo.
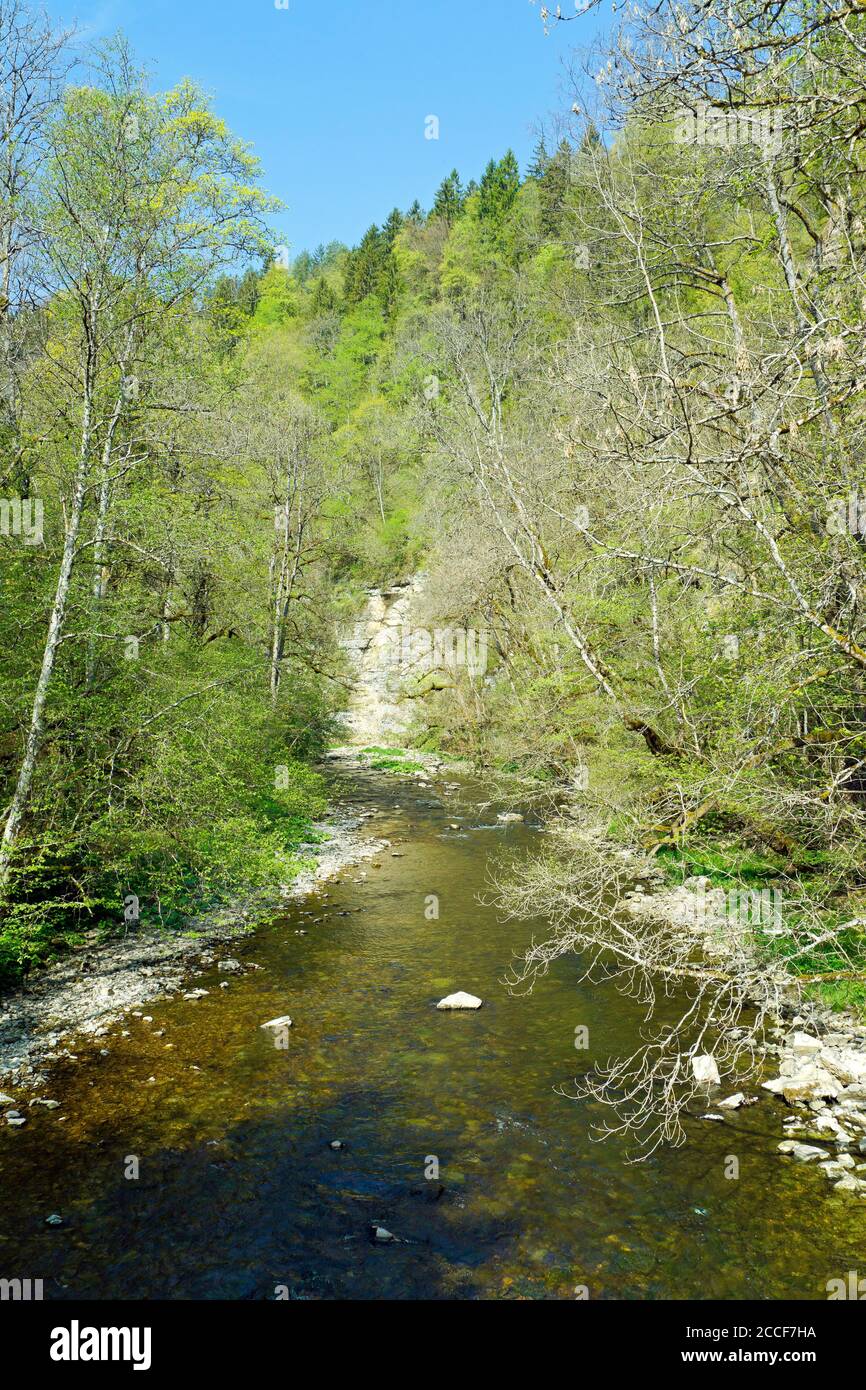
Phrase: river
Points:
(239, 1193)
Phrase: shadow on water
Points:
(239, 1193)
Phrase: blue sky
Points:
(333, 94)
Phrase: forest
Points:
(610, 406)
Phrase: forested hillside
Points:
(611, 405)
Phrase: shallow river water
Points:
(239, 1194)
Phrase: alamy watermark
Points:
(724, 127)
(444, 649)
(718, 909)
(848, 514)
(22, 516)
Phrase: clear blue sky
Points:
(333, 94)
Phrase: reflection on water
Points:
(240, 1193)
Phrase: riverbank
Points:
(89, 993)
(818, 1054)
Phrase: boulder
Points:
(733, 1102)
(847, 1066)
(804, 1153)
(460, 1000)
(812, 1084)
(229, 966)
(704, 1069)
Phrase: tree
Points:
(448, 203)
(33, 62)
(141, 199)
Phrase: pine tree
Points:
(500, 185)
(324, 299)
(392, 227)
(540, 161)
(449, 200)
(554, 186)
(363, 266)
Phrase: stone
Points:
(6, 1100)
(832, 1169)
(847, 1066)
(282, 1022)
(849, 1184)
(54, 1219)
(733, 1102)
(704, 1069)
(384, 1236)
(196, 994)
(460, 1000)
(804, 1044)
(336, 1144)
(812, 1084)
(230, 966)
(804, 1153)
(507, 816)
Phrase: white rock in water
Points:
(804, 1044)
(732, 1102)
(509, 815)
(383, 1235)
(283, 1022)
(460, 1000)
(811, 1084)
(803, 1152)
(6, 1100)
(704, 1069)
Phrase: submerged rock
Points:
(282, 1022)
(382, 1235)
(460, 1000)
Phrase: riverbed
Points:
(453, 1137)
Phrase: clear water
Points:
(240, 1195)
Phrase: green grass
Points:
(394, 760)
